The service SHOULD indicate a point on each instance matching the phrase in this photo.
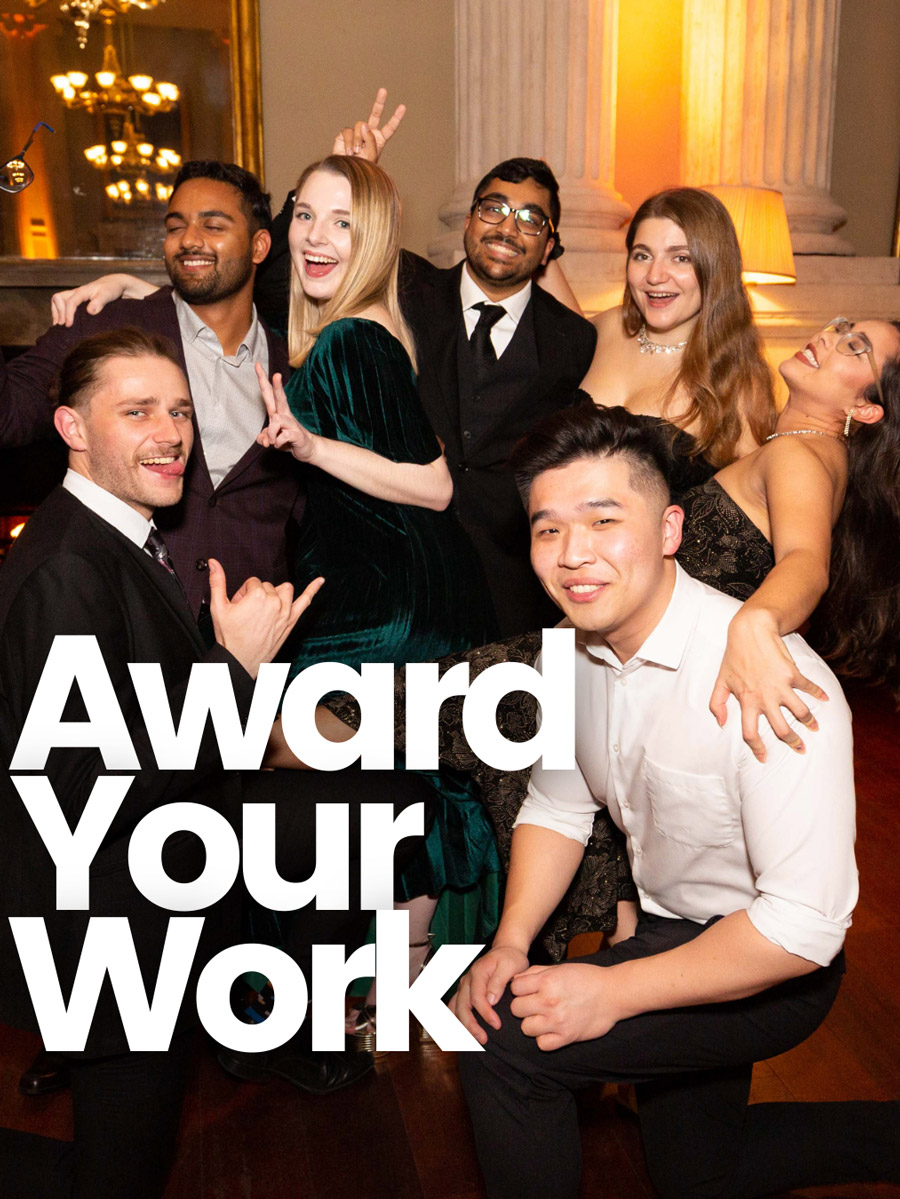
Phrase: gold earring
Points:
(847, 423)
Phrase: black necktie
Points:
(159, 553)
(483, 353)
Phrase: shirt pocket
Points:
(691, 809)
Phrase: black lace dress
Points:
(721, 545)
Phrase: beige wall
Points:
(866, 160)
(322, 61)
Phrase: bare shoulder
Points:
(609, 326)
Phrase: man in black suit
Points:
(496, 353)
(90, 563)
(241, 502)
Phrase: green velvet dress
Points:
(402, 584)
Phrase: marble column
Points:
(538, 78)
(758, 106)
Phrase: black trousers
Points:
(127, 1107)
(127, 1110)
(692, 1067)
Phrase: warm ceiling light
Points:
(119, 147)
(77, 78)
(168, 91)
(105, 79)
(761, 224)
(60, 82)
(141, 83)
(152, 99)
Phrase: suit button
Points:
(467, 433)
(201, 564)
(461, 467)
(213, 500)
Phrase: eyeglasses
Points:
(851, 342)
(529, 221)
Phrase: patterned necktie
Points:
(483, 354)
(159, 553)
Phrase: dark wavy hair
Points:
(517, 170)
(857, 624)
(722, 372)
(255, 202)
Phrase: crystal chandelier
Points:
(82, 12)
(116, 94)
(132, 157)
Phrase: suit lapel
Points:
(440, 329)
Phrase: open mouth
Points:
(503, 250)
(169, 466)
(196, 264)
(317, 266)
(659, 299)
(808, 355)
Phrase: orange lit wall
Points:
(648, 97)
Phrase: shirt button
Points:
(637, 849)
(624, 682)
(201, 564)
(615, 749)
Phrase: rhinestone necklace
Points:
(657, 347)
(797, 432)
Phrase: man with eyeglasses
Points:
(495, 354)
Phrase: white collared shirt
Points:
(710, 830)
(109, 507)
(225, 391)
(502, 332)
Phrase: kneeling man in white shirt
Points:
(745, 870)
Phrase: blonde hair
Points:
(371, 275)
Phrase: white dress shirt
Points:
(109, 507)
(502, 332)
(224, 389)
(710, 830)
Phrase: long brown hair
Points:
(371, 275)
(722, 372)
(857, 624)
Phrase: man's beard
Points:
(213, 285)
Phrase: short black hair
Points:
(517, 170)
(80, 374)
(255, 202)
(586, 431)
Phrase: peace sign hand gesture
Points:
(367, 139)
(284, 431)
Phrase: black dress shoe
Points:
(47, 1073)
(318, 1072)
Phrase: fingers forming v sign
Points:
(367, 139)
(284, 431)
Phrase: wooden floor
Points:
(402, 1133)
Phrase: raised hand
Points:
(367, 139)
(254, 623)
(284, 431)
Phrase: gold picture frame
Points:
(246, 85)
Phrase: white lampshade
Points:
(762, 230)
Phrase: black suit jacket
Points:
(484, 491)
(248, 522)
(72, 573)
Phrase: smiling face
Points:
(209, 250)
(319, 237)
(662, 279)
(599, 546)
(132, 437)
(821, 375)
(499, 257)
